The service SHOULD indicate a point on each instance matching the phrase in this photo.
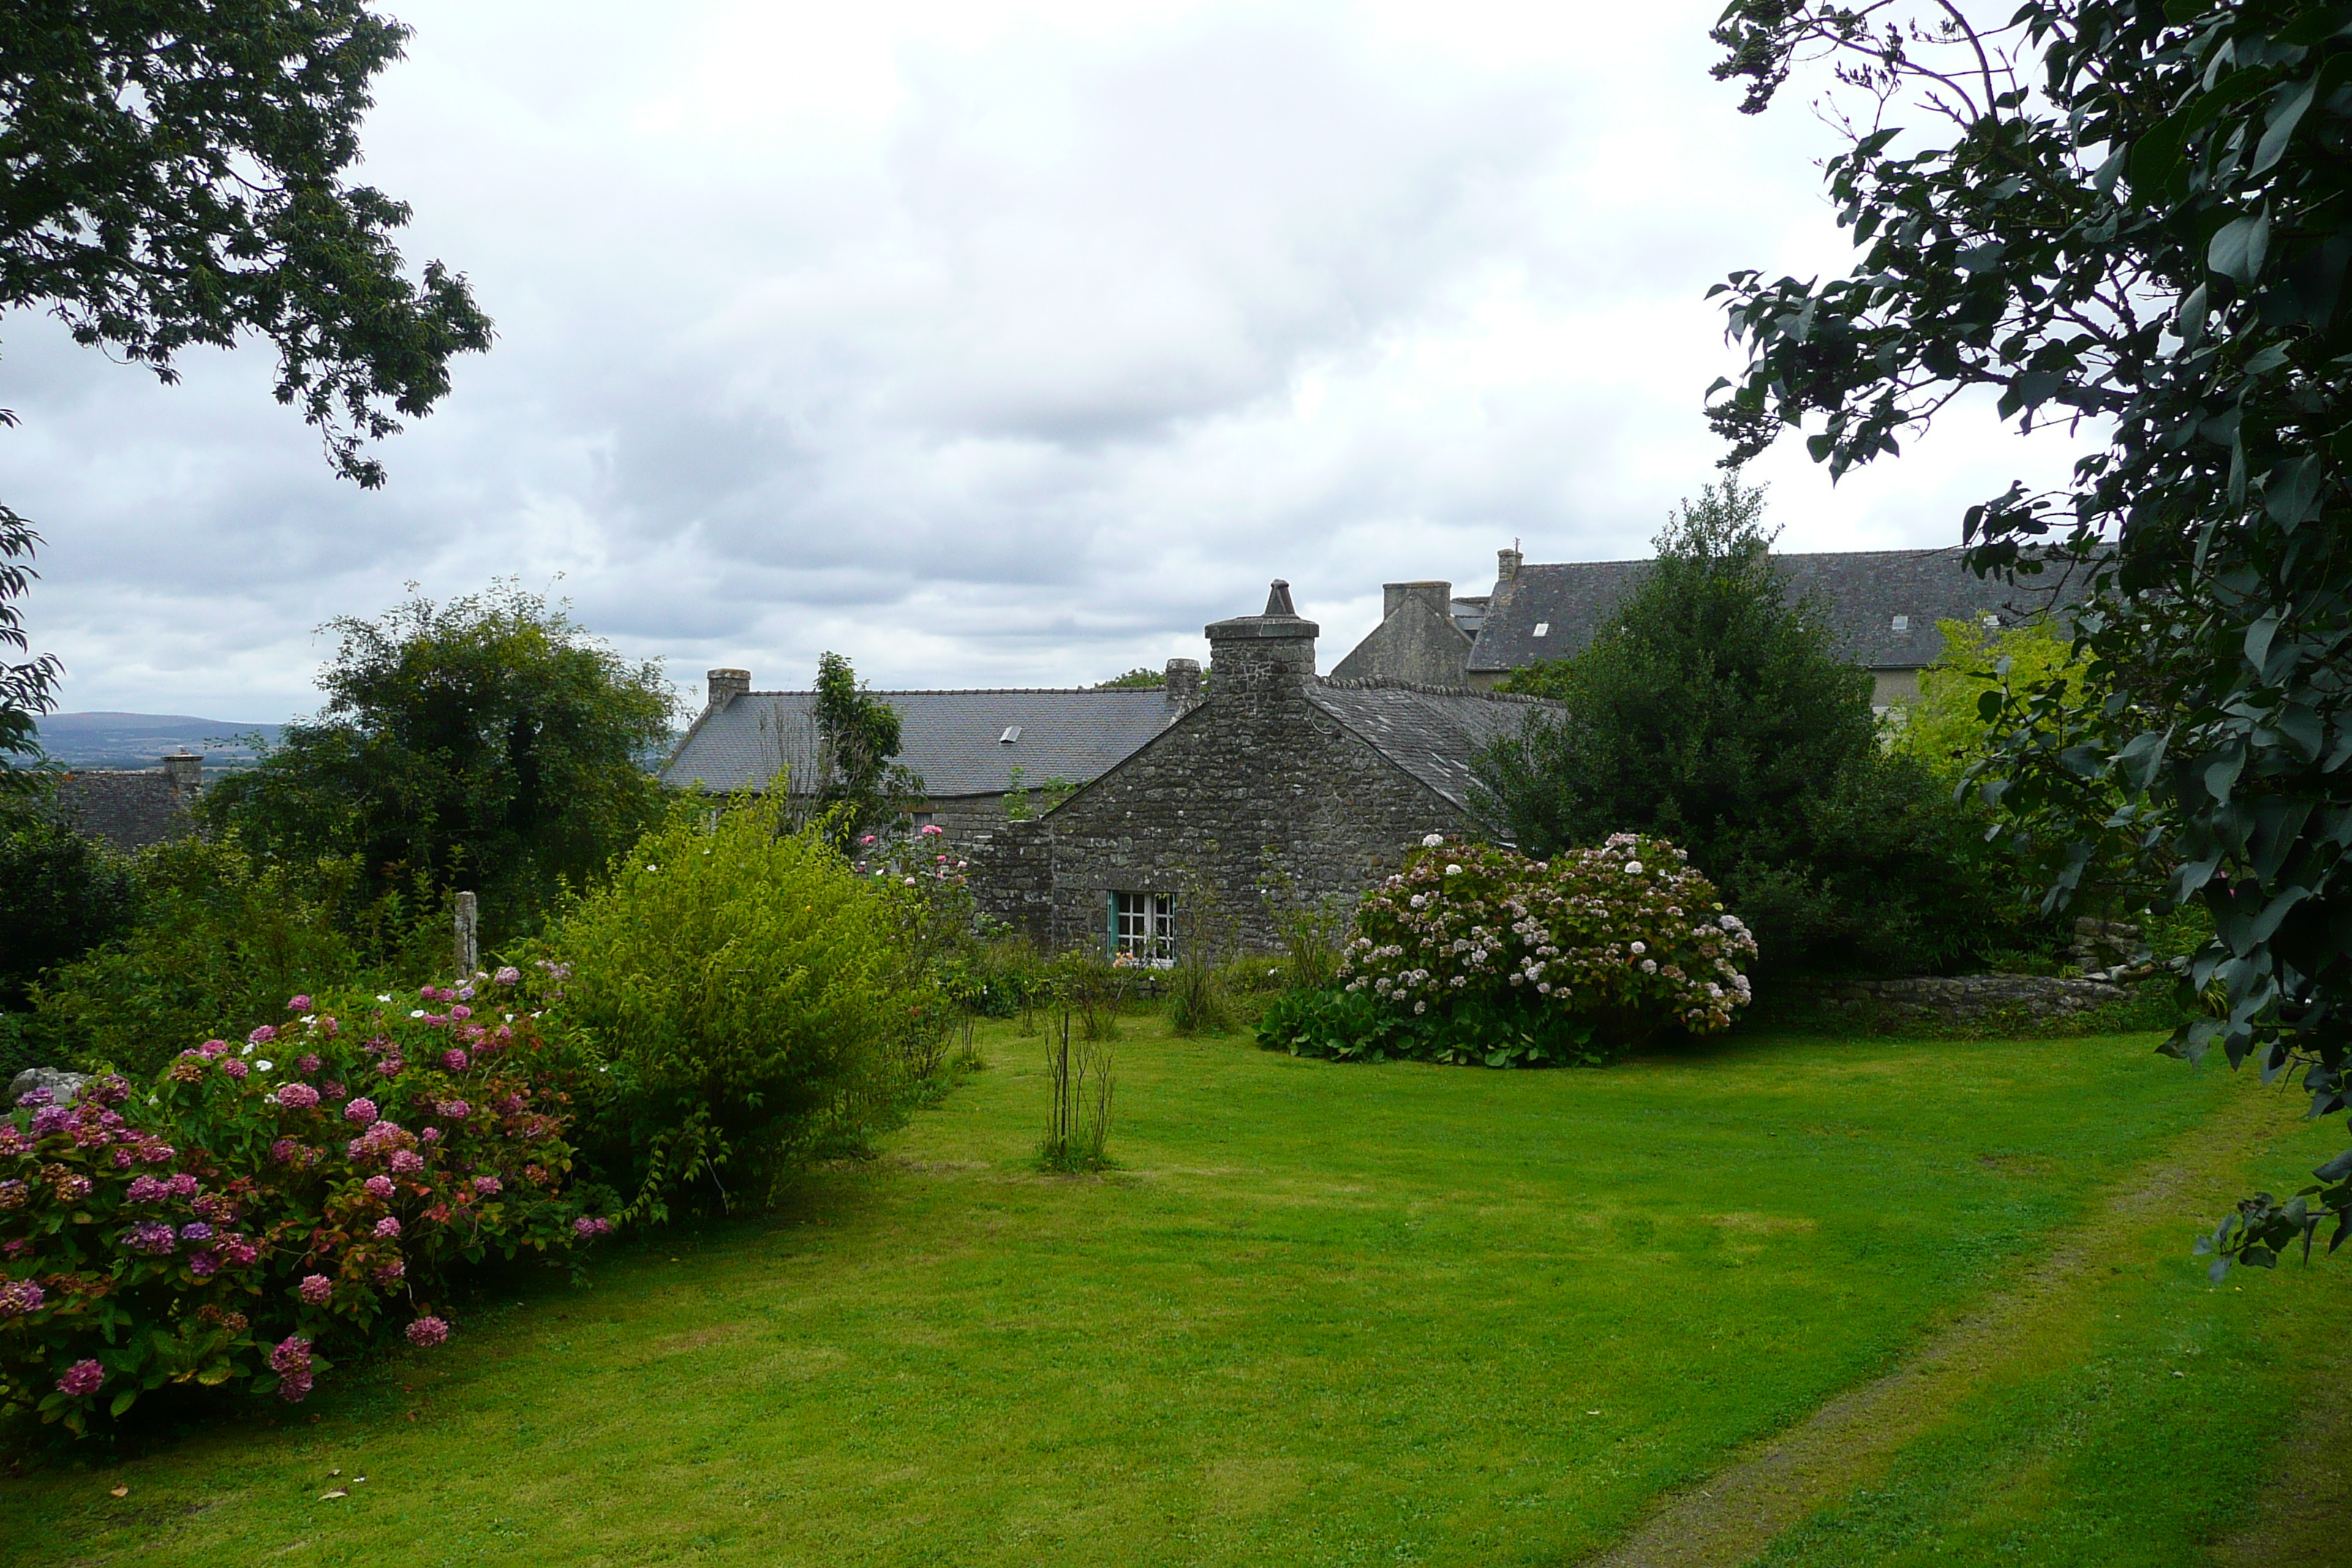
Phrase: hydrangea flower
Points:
(454, 1059)
(316, 1290)
(362, 1110)
(297, 1096)
(380, 1188)
(454, 1110)
(238, 1251)
(204, 1265)
(388, 1227)
(262, 1036)
(82, 1380)
(299, 1003)
(428, 1332)
(307, 1063)
(235, 1068)
(507, 974)
(408, 1162)
(150, 1237)
(487, 1186)
(19, 1296)
(195, 1230)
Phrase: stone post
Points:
(469, 929)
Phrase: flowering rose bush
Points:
(308, 1188)
(1477, 953)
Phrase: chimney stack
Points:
(1183, 682)
(184, 771)
(1264, 656)
(1438, 596)
(1507, 563)
(726, 685)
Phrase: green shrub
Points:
(223, 937)
(751, 993)
(61, 892)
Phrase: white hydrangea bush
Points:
(1626, 936)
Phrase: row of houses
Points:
(1277, 775)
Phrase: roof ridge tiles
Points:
(1392, 683)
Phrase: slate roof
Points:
(951, 738)
(130, 810)
(1863, 591)
(1432, 732)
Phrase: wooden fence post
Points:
(468, 926)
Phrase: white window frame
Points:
(1143, 928)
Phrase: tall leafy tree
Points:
(1713, 709)
(175, 173)
(490, 741)
(857, 734)
(2135, 218)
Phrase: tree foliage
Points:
(857, 734)
(26, 685)
(2135, 218)
(490, 741)
(1713, 709)
(1948, 728)
(61, 893)
(177, 175)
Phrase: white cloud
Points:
(986, 343)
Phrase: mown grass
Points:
(1326, 1313)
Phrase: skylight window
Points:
(1902, 623)
(1012, 734)
(1543, 628)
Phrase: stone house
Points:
(970, 748)
(1883, 607)
(131, 808)
(1319, 785)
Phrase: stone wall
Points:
(1965, 998)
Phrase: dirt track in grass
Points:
(1731, 1517)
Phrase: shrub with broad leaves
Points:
(262, 1204)
(1477, 953)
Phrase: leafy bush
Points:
(1532, 960)
(221, 937)
(61, 892)
(264, 1206)
(754, 995)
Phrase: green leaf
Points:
(123, 1401)
(2283, 119)
(2237, 252)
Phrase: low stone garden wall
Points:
(1964, 998)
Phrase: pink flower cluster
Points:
(290, 1360)
(82, 1380)
(428, 1332)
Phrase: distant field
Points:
(1339, 1315)
(137, 740)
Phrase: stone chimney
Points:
(184, 771)
(726, 685)
(1184, 684)
(1258, 658)
(1507, 563)
(1438, 596)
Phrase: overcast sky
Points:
(990, 344)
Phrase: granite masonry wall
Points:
(1256, 777)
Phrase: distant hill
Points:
(137, 740)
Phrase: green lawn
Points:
(1327, 1313)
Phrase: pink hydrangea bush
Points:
(226, 1228)
(1625, 940)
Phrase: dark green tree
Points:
(25, 684)
(2136, 217)
(857, 734)
(176, 174)
(1712, 709)
(1136, 680)
(489, 742)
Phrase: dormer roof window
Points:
(1012, 734)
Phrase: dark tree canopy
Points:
(1713, 709)
(175, 173)
(2137, 217)
(489, 742)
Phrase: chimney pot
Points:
(726, 685)
(1277, 599)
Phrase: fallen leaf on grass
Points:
(336, 1493)
(119, 1491)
